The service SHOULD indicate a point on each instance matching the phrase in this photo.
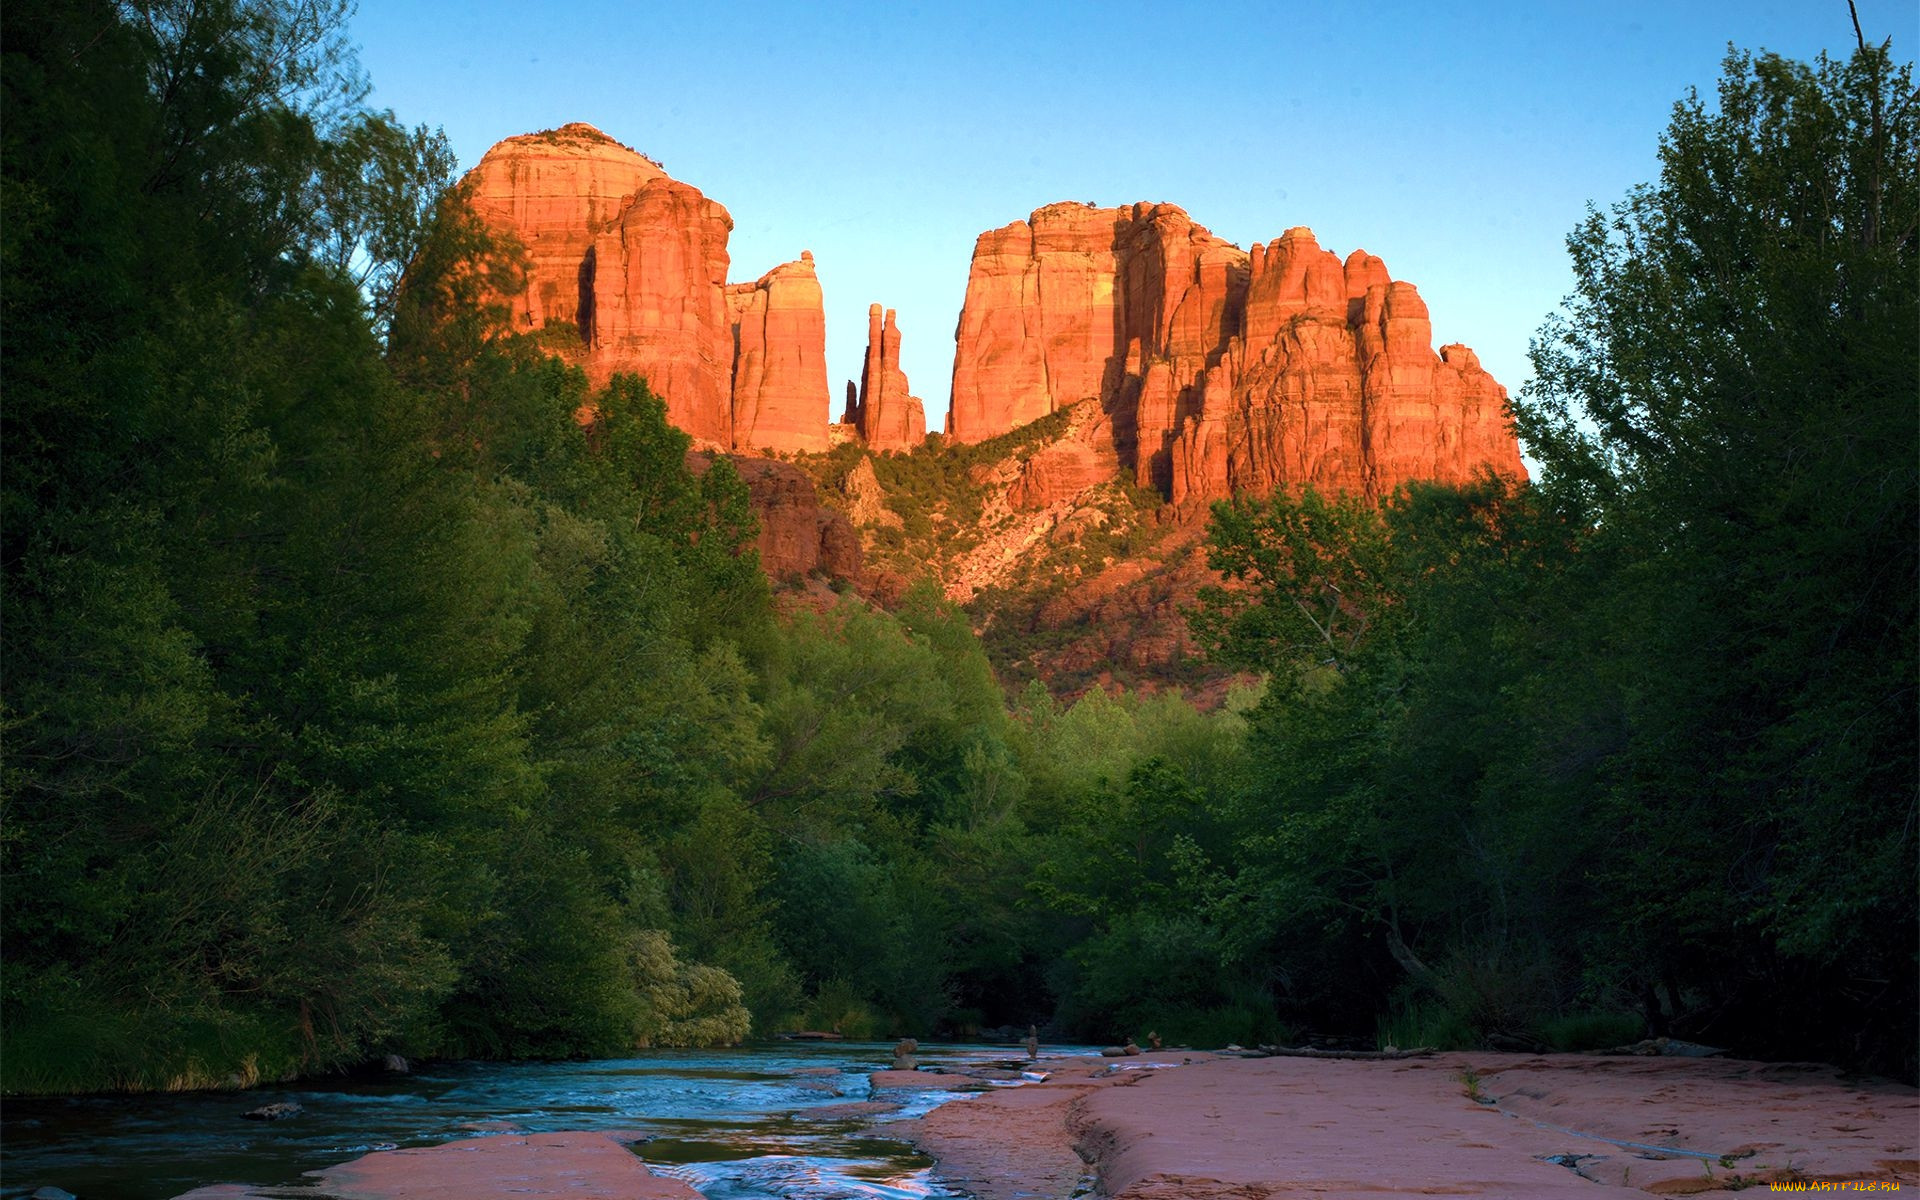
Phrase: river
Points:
(752, 1122)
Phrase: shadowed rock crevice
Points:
(584, 319)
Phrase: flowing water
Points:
(754, 1122)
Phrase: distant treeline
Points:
(360, 699)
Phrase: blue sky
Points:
(1460, 143)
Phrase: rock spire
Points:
(886, 414)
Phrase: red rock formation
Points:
(780, 360)
(1221, 371)
(1080, 459)
(1080, 302)
(1039, 297)
(1218, 371)
(798, 535)
(553, 190)
(631, 260)
(887, 416)
(1333, 381)
(657, 277)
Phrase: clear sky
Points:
(1459, 142)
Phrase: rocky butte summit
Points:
(1218, 371)
(634, 264)
(1214, 371)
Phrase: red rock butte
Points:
(1219, 371)
(780, 392)
(1215, 371)
(635, 262)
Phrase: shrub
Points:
(1425, 1022)
(1575, 1032)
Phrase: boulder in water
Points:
(274, 1112)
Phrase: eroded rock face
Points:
(780, 360)
(866, 499)
(799, 536)
(658, 278)
(1082, 458)
(1079, 302)
(554, 190)
(633, 263)
(1220, 371)
(1333, 382)
(887, 415)
(631, 260)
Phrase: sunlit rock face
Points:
(1219, 371)
(634, 264)
(658, 279)
(780, 360)
(1080, 460)
(886, 414)
(799, 536)
(1075, 302)
(1215, 370)
(633, 261)
(554, 191)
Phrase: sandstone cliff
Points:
(780, 360)
(886, 415)
(799, 536)
(632, 260)
(1219, 371)
(1188, 368)
(554, 190)
(1332, 380)
(635, 263)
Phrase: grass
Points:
(1420, 1022)
(97, 1048)
(1470, 1083)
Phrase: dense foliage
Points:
(1640, 738)
(360, 699)
(348, 684)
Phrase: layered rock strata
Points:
(779, 359)
(631, 260)
(1220, 371)
(887, 415)
(634, 263)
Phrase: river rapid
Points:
(759, 1121)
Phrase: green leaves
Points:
(1311, 575)
(1624, 724)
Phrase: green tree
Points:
(357, 698)
(1729, 402)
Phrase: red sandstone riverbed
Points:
(1193, 1126)
(520, 1166)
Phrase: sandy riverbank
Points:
(1174, 1126)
